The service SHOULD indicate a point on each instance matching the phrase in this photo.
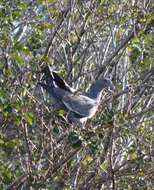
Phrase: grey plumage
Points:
(79, 107)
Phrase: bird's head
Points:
(107, 84)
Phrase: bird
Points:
(80, 107)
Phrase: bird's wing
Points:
(51, 76)
(61, 83)
(81, 105)
(57, 93)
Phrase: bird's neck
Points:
(95, 93)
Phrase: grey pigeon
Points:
(84, 107)
(79, 108)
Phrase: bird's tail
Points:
(48, 77)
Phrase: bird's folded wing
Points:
(57, 93)
(81, 105)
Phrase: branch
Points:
(107, 142)
(151, 108)
(63, 162)
(64, 14)
(123, 44)
(19, 181)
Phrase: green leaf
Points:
(18, 58)
(1, 142)
(61, 113)
(29, 118)
(74, 140)
(148, 38)
(56, 130)
(7, 175)
(7, 110)
(149, 17)
(18, 121)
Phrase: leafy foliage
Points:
(82, 40)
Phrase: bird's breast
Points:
(92, 111)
